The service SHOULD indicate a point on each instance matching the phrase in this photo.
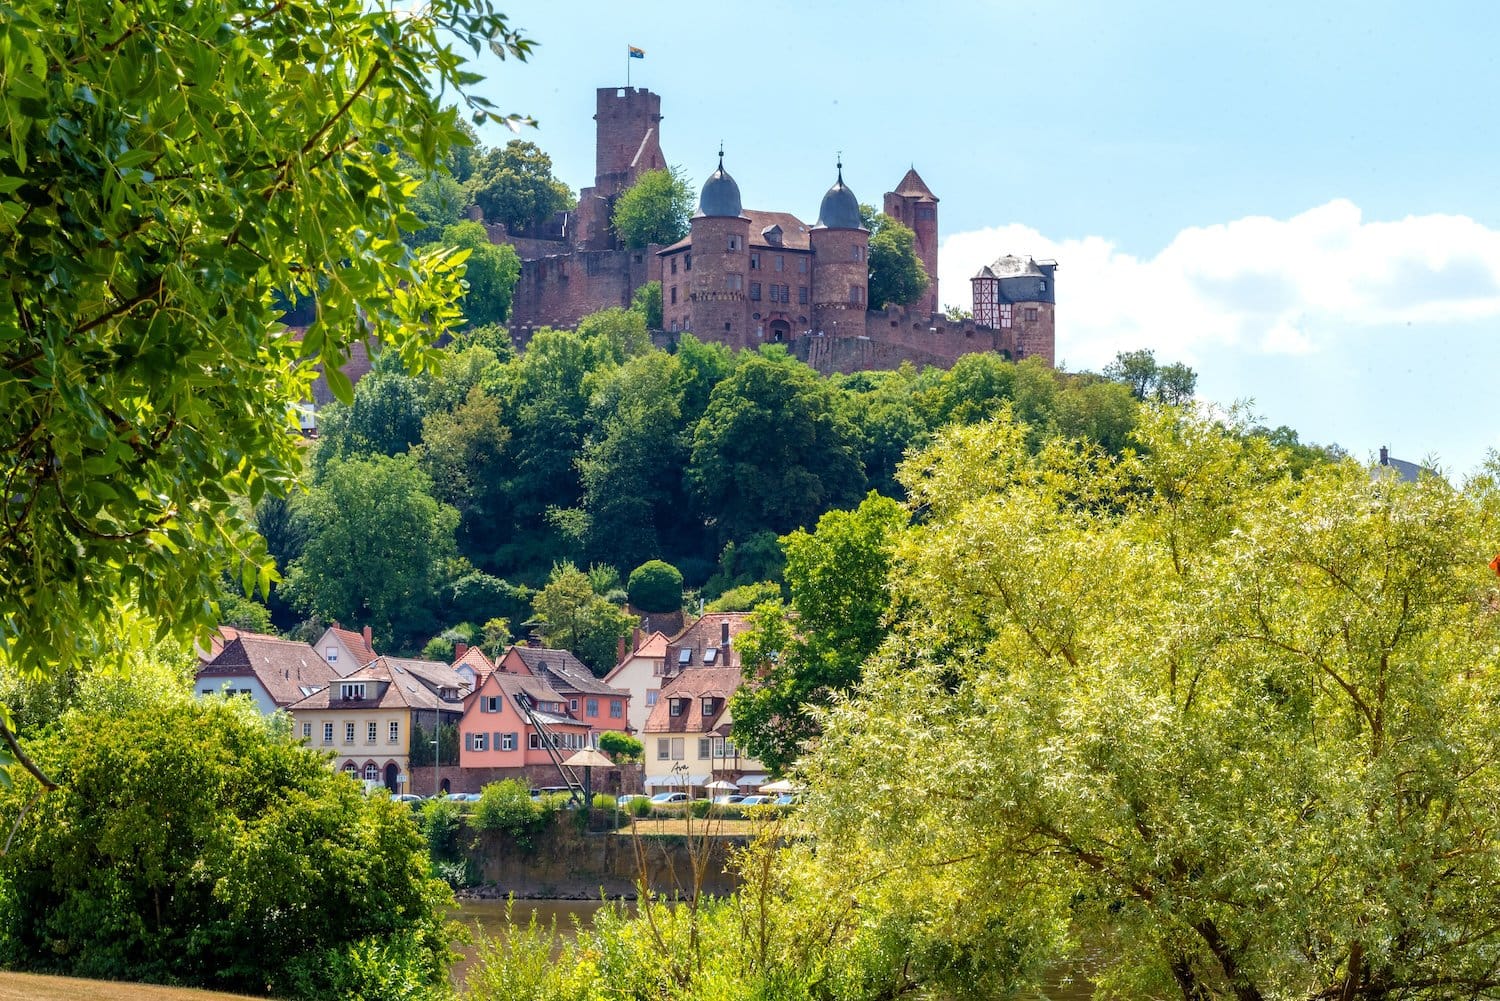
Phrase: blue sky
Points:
(1298, 199)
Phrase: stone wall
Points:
(561, 289)
(614, 781)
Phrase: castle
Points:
(746, 277)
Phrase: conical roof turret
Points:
(840, 209)
(721, 196)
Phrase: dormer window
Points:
(351, 690)
(448, 694)
(709, 705)
(674, 706)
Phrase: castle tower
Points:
(914, 204)
(1018, 297)
(841, 268)
(720, 257)
(627, 137)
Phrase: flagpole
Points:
(627, 68)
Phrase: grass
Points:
(646, 826)
(30, 987)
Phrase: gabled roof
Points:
(287, 670)
(793, 233)
(564, 672)
(704, 635)
(355, 643)
(912, 186)
(704, 682)
(388, 686)
(1011, 266)
(514, 685)
(475, 658)
(432, 673)
(652, 647)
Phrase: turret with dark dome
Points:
(840, 209)
(721, 196)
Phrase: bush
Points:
(700, 807)
(507, 808)
(656, 586)
(604, 801)
(192, 844)
(621, 746)
(439, 821)
(640, 806)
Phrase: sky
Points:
(1299, 200)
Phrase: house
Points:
(366, 718)
(587, 699)
(274, 672)
(688, 733)
(709, 642)
(640, 673)
(471, 664)
(345, 650)
(444, 682)
(511, 720)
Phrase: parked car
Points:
(626, 801)
(756, 800)
(464, 797)
(669, 797)
(786, 799)
(408, 797)
(729, 800)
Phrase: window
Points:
(479, 742)
(678, 749)
(687, 261)
(674, 295)
(674, 265)
(723, 748)
(856, 294)
(709, 706)
(372, 772)
(734, 283)
(859, 252)
(327, 733)
(616, 711)
(331, 654)
(684, 657)
(350, 769)
(754, 297)
(802, 294)
(348, 733)
(370, 731)
(532, 741)
(1041, 286)
(705, 747)
(1030, 315)
(734, 243)
(780, 262)
(754, 262)
(675, 707)
(591, 707)
(1005, 314)
(710, 655)
(349, 690)
(801, 265)
(651, 694)
(307, 731)
(573, 705)
(490, 704)
(395, 735)
(663, 749)
(507, 742)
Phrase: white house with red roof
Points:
(274, 672)
(640, 672)
(345, 650)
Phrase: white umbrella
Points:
(721, 785)
(780, 786)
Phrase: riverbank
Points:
(35, 987)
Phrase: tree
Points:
(1173, 384)
(799, 659)
(491, 272)
(385, 418)
(647, 302)
(376, 546)
(148, 224)
(656, 586)
(621, 747)
(438, 202)
(514, 186)
(897, 277)
(655, 209)
(1234, 723)
(190, 844)
(573, 617)
(772, 451)
(463, 453)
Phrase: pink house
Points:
(494, 732)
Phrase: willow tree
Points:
(1237, 729)
(169, 172)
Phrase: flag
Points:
(636, 53)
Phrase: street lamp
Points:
(436, 767)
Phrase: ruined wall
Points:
(894, 336)
(560, 289)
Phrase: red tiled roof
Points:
(694, 685)
(704, 635)
(793, 232)
(356, 645)
(912, 186)
(562, 671)
(283, 667)
(388, 685)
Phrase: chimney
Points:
(620, 650)
(1385, 455)
(459, 649)
(368, 641)
(635, 638)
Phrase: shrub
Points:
(656, 586)
(621, 746)
(640, 806)
(439, 821)
(700, 807)
(507, 808)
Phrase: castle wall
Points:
(895, 335)
(560, 289)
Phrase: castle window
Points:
(1030, 315)
(674, 292)
(1004, 314)
(754, 262)
(859, 252)
(856, 294)
(734, 283)
(687, 261)
(674, 265)
(926, 212)
(802, 294)
(726, 326)
(734, 243)
(780, 262)
(755, 291)
(1041, 286)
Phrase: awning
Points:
(676, 781)
(751, 780)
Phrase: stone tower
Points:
(1018, 296)
(914, 204)
(720, 257)
(841, 269)
(627, 137)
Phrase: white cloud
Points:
(1252, 286)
